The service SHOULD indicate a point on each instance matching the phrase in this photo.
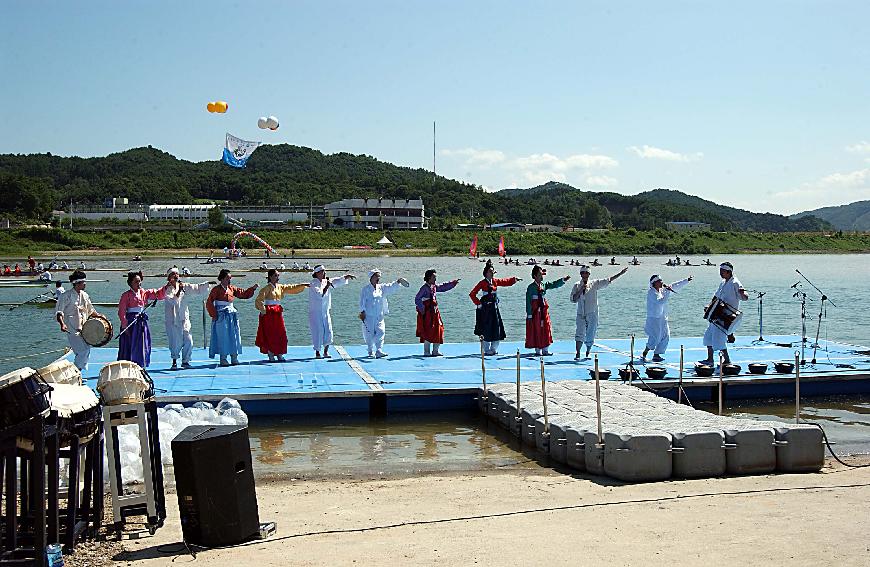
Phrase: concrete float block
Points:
(750, 449)
(527, 433)
(593, 453)
(638, 456)
(575, 443)
(698, 453)
(799, 447)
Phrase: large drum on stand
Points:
(124, 382)
(78, 412)
(23, 395)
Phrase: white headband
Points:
(373, 272)
(172, 271)
(585, 268)
(80, 280)
(318, 268)
(655, 279)
(728, 267)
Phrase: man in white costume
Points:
(585, 295)
(656, 327)
(731, 292)
(73, 309)
(319, 305)
(373, 307)
(176, 302)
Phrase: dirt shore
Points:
(546, 518)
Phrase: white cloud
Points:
(833, 189)
(853, 179)
(601, 181)
(475, 157)
(861, 147)
(650, 152)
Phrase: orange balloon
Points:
(211, 107)
(221, 106)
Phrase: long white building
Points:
(361, 213)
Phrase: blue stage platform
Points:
(350, 382)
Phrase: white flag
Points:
(237, 151)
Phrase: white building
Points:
(687, 225)
(179, 212)
(361, 213)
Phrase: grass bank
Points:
(593, 243)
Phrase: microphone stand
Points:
(760, 295)
(821, 312)
(803, 299)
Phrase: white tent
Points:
(385, 241)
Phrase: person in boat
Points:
(730, 291)
(677, 261)
(635, 261)
(185, 271)
(137, 258)
(263, 266)
(72, 310)
(58, 290)
(707, 262)
(595, 262)
(226, 336)
(430, 326)
(657, 330)
(613, 261)
(7, 271)
(487, 321)
(373, 307)
(45, 276)
(17, 270)
(688, 263)
(295, 265)
(65, 266)
(31, 263)
(546, 261)
(669, 262)
(319, 308)
(271, 332)
(40, 268)
(539, 334)
(53, 265)
(134, 342)
(307, 266)
(82, 265)
(177, 319)
(585, 295)
(281, 266)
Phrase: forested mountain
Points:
(854, 216)
(31, 185)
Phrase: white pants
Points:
(715, 337)
(180, 342)
(490, 346)
(587, 327)
(321, 330)
(81, 349)
(373, 334)
(658, 333)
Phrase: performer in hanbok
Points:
(178, 296)
(226, 337)
(72, 310)
(539, 334)
(430, 327)
(373, 307)
(731, 292)
(271, 334)
(585, 295)
(656, 327)
(487, 321)
(134, 341)
(319, 305)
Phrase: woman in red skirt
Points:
(539, 335)
(271, 334)
(430, 327)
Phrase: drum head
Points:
(70, 399)
(16, 376)
(97, 331)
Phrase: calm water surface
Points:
(456, 441)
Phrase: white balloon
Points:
(262, 123)
(272, 122)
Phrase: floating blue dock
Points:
(350, 382)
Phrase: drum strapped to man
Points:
(23, 396)
(124, 382)
(97, 330)
(723, 315)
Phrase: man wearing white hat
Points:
(72, 310)
(585, 295)
(731, 292)
(178, 295)
(656, 327)
(319, 305)
(373, 307)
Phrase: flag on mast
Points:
(501, 247)
(472, 251)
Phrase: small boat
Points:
(186, 276)
(23, 284)
(49, 304)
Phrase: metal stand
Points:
(803, 299)
(821, 312)
(760, 295)
(152, 503)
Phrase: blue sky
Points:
(761, 105)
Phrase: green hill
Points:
(31, 185)
(854, 216)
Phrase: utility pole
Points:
(433, 152)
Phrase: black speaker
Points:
(215, 485)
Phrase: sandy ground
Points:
(546, 518)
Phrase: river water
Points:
(456, 442)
